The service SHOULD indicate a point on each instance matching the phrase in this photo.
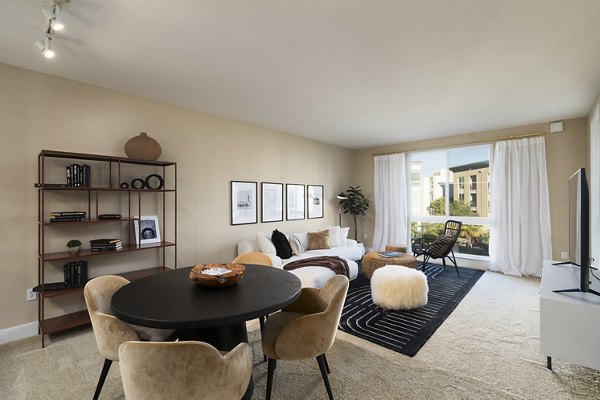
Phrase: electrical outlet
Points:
(31, 295)
(365, 235)
(564, 255)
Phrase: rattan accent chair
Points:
(441, 247)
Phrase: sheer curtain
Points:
(391, 201)
(520, 229)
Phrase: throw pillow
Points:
(282, 246)
(303, 237)
(344, 236)
(265, 244)
(296, 245)
(334, 236)
(318, 240)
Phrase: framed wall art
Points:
(147, 229)
(314, 199)
(244, 209)
(294, 201)
(272, 202)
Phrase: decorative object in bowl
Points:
(217, 275)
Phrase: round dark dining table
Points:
(170, 300)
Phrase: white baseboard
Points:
(18, 332)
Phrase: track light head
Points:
(53, 13)
(57, 23)
(46, 47)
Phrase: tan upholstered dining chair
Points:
(306, 328)
(184, 370)
(253, 258)
(109, 331)
(258, 259)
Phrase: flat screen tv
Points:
(579, 230)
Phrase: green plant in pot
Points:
(355, 203)
(73, 246)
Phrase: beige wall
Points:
(42, 112)
(565, 153)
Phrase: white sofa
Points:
(347, 249)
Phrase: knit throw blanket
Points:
(334, 263)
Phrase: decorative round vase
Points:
(142, 147)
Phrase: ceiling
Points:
(355, 73)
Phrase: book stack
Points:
(48, 287)
(67, 216)
(75, 274)
(105, 245)
(78, 175)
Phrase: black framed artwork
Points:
(244, 208)
(314, 201)
(271, 202)
(294, 201)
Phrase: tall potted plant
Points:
(355, 203)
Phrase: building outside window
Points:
(439, 192)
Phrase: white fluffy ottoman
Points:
(398, 287)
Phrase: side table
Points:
(372, 260)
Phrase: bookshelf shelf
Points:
(87, 182)
(131, 276)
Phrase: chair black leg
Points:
(321, 361)
(270, 370)
(105, 368)
(425, 261)
(262, 320)
(453, 259)
(326, 364)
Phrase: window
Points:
(452, 184)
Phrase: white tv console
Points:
(569, 322)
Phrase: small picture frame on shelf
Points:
(244, 209)
(146, 229)
(272, 202)
(295, 201)
(314, 201)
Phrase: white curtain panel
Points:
(391, 201)
(520, 228)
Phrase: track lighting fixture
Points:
(46, 47)
(55, 23)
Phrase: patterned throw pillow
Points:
(282, 245)
(296, 245)
(318, 240)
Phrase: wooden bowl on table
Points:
(217, 275)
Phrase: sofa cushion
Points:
(344, 236)
(318, 240)
(282, 246)
(265, 244)
(334, 236)
(296, 245)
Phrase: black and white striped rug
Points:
(406, 331)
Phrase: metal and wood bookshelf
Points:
(107, 174)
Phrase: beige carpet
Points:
(487, 349)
